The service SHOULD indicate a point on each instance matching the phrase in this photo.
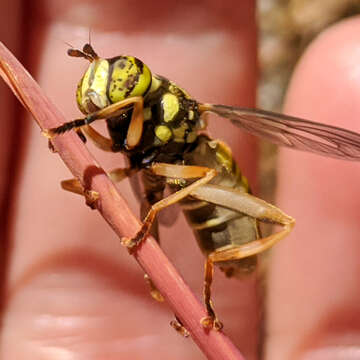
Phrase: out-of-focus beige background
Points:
(286, 27)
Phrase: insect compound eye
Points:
(91, 93)
(130, 77)
(79, 96)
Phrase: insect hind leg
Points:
(252, 206)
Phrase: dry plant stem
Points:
(114, 209)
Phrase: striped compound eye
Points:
(128, 77)
(91, 94)
(108, 81)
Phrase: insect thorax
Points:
(171, 125)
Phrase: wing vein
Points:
(296, 133)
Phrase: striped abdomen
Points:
(215, 226)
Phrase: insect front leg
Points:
(136, 123)
(170, 171)
(251, 206)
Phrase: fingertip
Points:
(326, 82)
(322, 272)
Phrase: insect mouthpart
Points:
(94, 101)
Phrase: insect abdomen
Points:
(215, 226)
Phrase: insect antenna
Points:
(88, 50)
(87, 53)
(68, 44)
(89, 38)
(80, 54)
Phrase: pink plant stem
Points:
(114, 209)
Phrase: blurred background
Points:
(286, 27)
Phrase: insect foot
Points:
(154, 292)
(130, 243)
(179, 327)
(209, 323)
(91, 197)
(133, 243)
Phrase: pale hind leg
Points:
(251, 206)
(170, 171)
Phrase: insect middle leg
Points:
(176, 172)
(153, 187)
(104, 143)
(74, 185)
(135, 127)
(252, 206)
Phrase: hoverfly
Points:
(159, 127)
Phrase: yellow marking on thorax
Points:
(191, 114)
(170, 104)
(163, 133)
(147, 113)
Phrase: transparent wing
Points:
(292, 132)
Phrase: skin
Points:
(72, 292)
(314, 294)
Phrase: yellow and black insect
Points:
(157, 125)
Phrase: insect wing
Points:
(293, 132)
